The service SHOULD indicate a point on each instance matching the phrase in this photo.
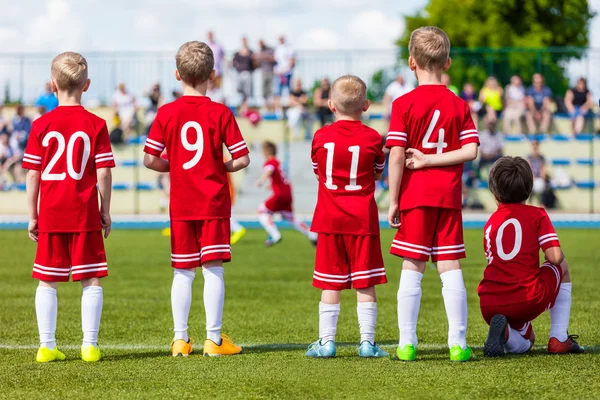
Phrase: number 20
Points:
(355, 150)
(47, 175)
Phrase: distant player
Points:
(237, 230)
(281, 199)
(515, 289)
(193, 130)
(425, 183)
(347, 158)
(68, 153)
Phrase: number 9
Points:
(198, 147)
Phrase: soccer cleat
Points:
(497, 336)
(318, 350)
(314, 242)
(566, 347)
(369, 350)
(181, 348)
(271, 242)
(45, 355)
(236, 236)
(406, 353)
(460, 355)
(226, 348)
(90, 353)
(166, 232)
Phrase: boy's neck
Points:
(270, 157)
(198, 90)
(343, 117)
(69, 99)
(428, 78)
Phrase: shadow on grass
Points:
(136, 355)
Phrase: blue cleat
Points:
(270, 242)
(369, 350)
(319, 350)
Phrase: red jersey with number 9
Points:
(67, 145)
(345, 156)
(432, 120)
(193, 130)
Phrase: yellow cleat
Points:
(90, 353)
(227, 348)
(181, 348)
(236, 236)
(45, 355)
(166, 232)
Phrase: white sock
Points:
(455, 300)
(367, 318)
(46, 310)
(328, 317)
(235, 225)
(214, 299)
(181, 301)
(91, 313)
(560, 313)
(516, 343)
(409, 303)
(267, 222)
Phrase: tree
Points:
(507, 37)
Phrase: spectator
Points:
(219, 57)
(156, 101)
(9, 159)
(3, 121)
(490, 97)
(491, 144)
(579, 102)
(541, 181)
(514, 110)
(264, 60)
(469, 95)
(320, 101)
(47, 99)
(21, 126)
(446, 81)
(394, 90)
(39, 111)
(538, 101)
(214, 93)
(285, 59)
(124, 106)
(297, 114)
(243, 63)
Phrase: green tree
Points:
(506, 37)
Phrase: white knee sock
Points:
(267, 222)
(409, 303)
(235, 225)
(455, 300)
(46, 310)
(560, 313)
(181, 301)
(328, 318)
(302, 227)
(516, 343)
(214, 299)
(367, 318)
(91, 313)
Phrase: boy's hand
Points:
(33, 229)
(415, 159)
(394, 216)
(106, 223)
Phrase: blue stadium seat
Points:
(145, 186)
(561, 161)
(514, 138)
(374, 117)
(585, 161)
(585, 137)
(559, 137)
(538, 137)
(271, 117)
(121, 186)
(137, 140)
(585, 184)
(484, 185)
(561, 187)
(129, 163)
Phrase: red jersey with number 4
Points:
(345, 156)
(193, 130)
(432, 120)
(68, 144)
(279, 183)
(513, 237)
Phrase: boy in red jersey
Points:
(515, 289)
(68, 153)
(347, 159)
(193, 130)
(436, 128)
(280, 201)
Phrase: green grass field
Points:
(271, 309)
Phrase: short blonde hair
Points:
(69, 71)
(349, 94)
(429, 46)
(195, 62)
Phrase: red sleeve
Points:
(32, 159)
(313, 154)
(155, 143)
(468, 134)
(232, 137)
(547, 236)
(397, 135)
(103, 154)
(379, 157)
(269, 166)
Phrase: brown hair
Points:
(349, 94)
(511, 180)
(69, 71)
(195, 62)
(430, 47)
(270, 148)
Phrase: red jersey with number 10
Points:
(193, 130)
(433, 120)
(279, 183)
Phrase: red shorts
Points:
(348, 261)
(194, 243)
(277, 203)
(520, 314)
(80, 254)
(430, 232)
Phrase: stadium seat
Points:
(538, 137)
(137, 140)
(129, 163)
(484, 185)
(121, 186)
(515, 138)
(585, 184)
(585, 137)
(561, 161)
(145, 186)
(585, 161)
(561, 138)
(375, 117)
(271, 117)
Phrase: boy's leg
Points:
(214, 298)
(520, 340)
(329, 311)
(299, 225)
(46, 310)
(92, 300)
(409, 301)
(181, 301)
(265, 217)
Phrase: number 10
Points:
(355, 150)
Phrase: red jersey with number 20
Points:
(279, 183)
(193, 130)
(513, 238)
(68, 145)
(432, 120)
(345, 156)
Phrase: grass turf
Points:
(272, 309)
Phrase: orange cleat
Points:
(181, 348)
(566, 347)
(227, 347)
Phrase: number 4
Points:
(440, 145)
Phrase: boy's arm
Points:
(417, 160)
(236, 145)
(555, 255)
(548, 240)
(105, 190)
(267, 172)
(155, 146)
(33, 191)
(395, 171)
(236, 164)
(155, 163)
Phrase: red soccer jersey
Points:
(433, 120)
(193, 130)
(513, 237)
(68, 144)
(279, 182)
(345, 156)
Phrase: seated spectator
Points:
(540, 174)
(538, 100)
(3, 121)
(469, 94)
(514, 110)
(156, 101)
(9, 160)
(394, 90)
(21, 126)
(470, 184)
(320, 101)
(579, 102)
(39, 111)
(125, 107)
(47, 99)
(243, 63)
(490, 97)
(297, 113)
(446, 81)
(491, 146)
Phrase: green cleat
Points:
(407, 353)
(458, 354)
(45, 355)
